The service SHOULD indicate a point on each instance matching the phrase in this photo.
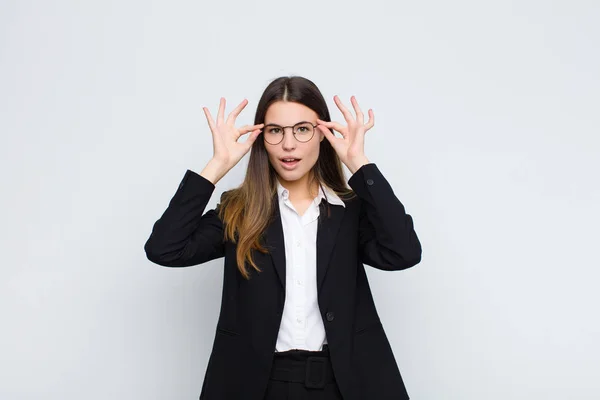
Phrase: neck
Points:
(299, 189)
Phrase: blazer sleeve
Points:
(387, 238)
(183, 236)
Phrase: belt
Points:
(301, 367)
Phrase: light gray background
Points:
(487, 128)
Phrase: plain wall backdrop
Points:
(487, 126)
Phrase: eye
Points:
(302, 129)
(273, 130)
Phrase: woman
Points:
(297, 317)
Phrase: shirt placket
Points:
(299, 272)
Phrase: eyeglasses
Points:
(303, 132)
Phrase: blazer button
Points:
(330, 316)
(369, 181)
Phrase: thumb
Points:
(328, 134)
(252, 138)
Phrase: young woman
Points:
(297, 316)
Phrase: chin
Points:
(290, 175)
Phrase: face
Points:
(284, 113)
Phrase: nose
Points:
(289, 141)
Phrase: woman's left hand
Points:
(351, 147)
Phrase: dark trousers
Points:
(302, 374)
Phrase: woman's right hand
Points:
(226, 148)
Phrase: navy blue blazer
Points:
(372, 229)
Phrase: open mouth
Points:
(289, 162)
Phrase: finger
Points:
(333, 125)
(244, 129)
(247, 128)
(211, 122)
(345, 112)
(359, 114)
(221, 114)
(234, 114)
(371, 121)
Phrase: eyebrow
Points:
(272, 123)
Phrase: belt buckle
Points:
(310, 362)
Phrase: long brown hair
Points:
(247, 210)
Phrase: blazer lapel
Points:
(327, 231)
(276, 244)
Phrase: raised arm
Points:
(184, 236)
(387, 238)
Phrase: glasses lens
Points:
(303, 131)
(273, 134)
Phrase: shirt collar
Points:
(324, 191)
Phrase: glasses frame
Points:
(293, 131)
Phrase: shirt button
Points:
(330, 316)
(298, 282)
(369, 181)
(298, 243)
(299, 320)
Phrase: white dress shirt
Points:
(301, 323)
